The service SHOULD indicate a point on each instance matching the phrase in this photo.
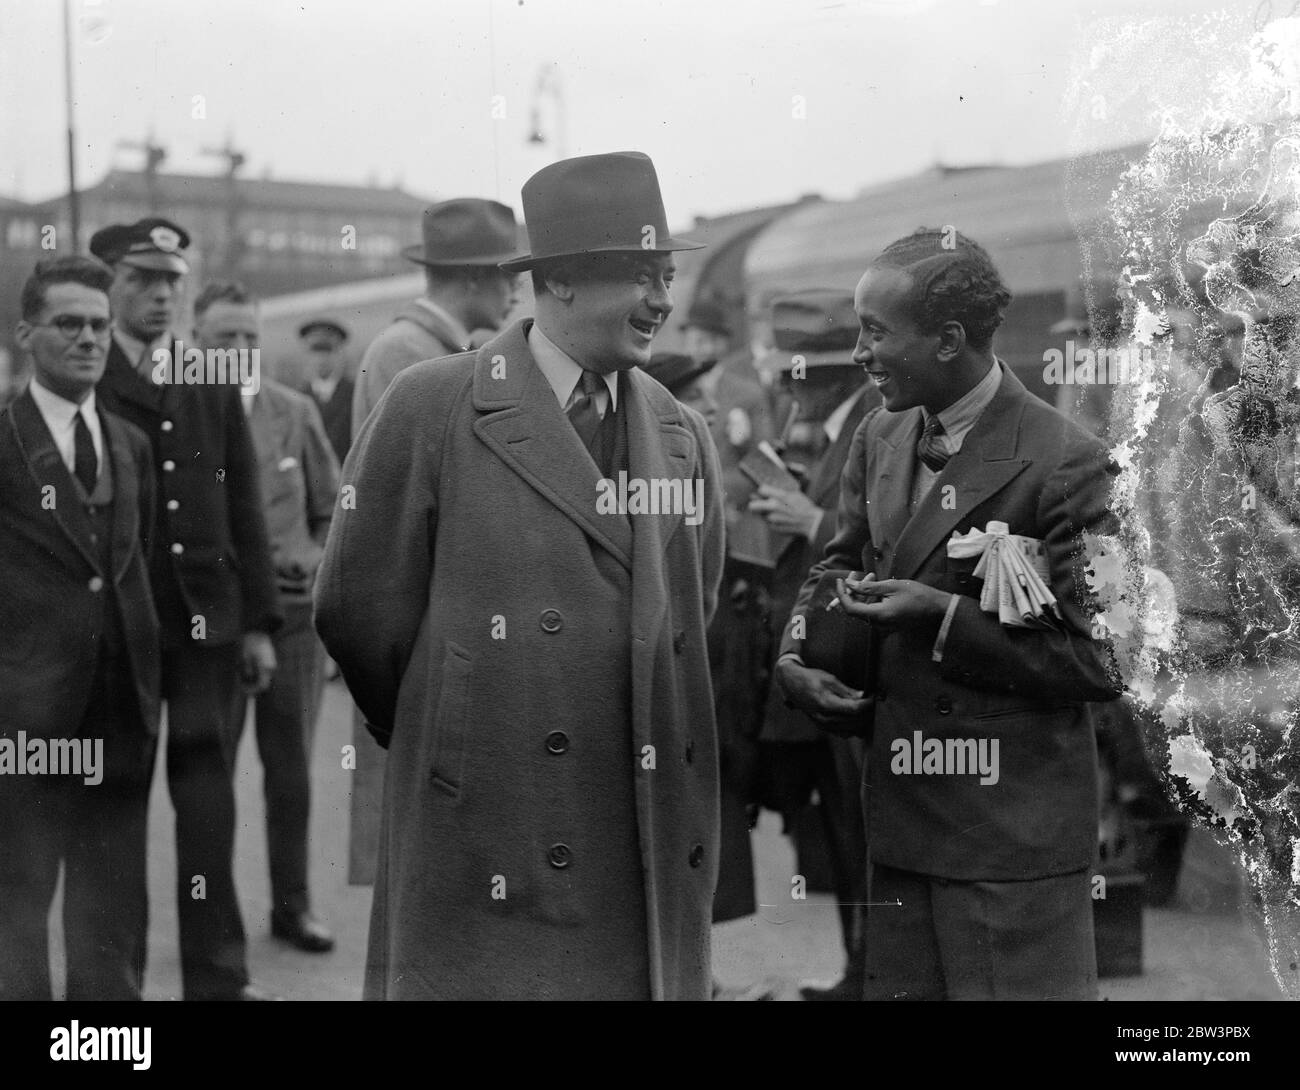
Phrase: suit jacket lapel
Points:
(984, 466)
(126, 492)
(524, 424)
(46, 466)
(890, 491)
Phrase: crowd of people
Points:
(582, 710)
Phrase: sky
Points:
(739, 102)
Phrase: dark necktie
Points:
(584, 413)
(85, 464)
(930, 447)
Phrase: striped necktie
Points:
(930, 448)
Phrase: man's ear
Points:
(23, 333)
(952, 341)
(560, 284)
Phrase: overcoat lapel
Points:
(524, 425)
(984, 466)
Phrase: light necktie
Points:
(85, 463)
(930, 447)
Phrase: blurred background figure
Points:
(328, 381)
(737, 664)
(825, 398)
(299, 479)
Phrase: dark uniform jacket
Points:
(210, 557)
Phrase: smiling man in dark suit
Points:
(212, 581)
(537, 666)
(991, 872)
(79, 654)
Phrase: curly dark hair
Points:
(954, 280)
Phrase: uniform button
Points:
(559, 856)
(697, 855)
(551, 620)
(679, 641)
(177, 548)
(167, 425)
(943, 706)
(557, 742)
(690, 752)
(96, 584)
(168, 466)
(173, 505)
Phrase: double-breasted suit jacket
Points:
(55, 590)
(1024, 464)
(538, 672)
(211, 557)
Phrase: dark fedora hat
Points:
(466, 231)
(150, 243)
(676, 370)
(819, 325)
(595, 204)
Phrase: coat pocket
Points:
(453, 707)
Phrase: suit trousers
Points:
(201, 687)
(285, 724)
(979, 940)
(98, 832)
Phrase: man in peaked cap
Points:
(466, 299)
(327, 381)
(212, 580)
(815, 333)
(534, 658)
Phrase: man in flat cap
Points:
(212, 580)
(532, 652)
(981, 771)
(328, 383)
(814, 334)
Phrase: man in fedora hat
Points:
(212, 581)
(466, 299)
(465, 240)
(814, 334)
(534, 661)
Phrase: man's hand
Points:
(787, 511)
(826, 700)
(257, 662)
(893, 603)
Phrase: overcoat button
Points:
(679, 642)
(177, 548)
(551, 620)
(168, 466)
(96, 584)
(166, 425)
(557, 742)
(943, 706)
(559, 856)
(173, 505)
(697, 855)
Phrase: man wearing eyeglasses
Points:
(213, 583)
(79, 654)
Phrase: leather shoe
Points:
(303, 931)
(847, 990)
(255, 993)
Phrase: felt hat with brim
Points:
(595, 204)
(676, 370)
(818, 327)
(331, 324)
(150, 243)
(465, 231)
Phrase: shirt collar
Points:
(561, 370)
(835, 422)
(59, 411)
(458, 332)
(959, 417)
(138, 352)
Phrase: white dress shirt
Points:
(565, 374)
(60, 416)
(957, 420)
